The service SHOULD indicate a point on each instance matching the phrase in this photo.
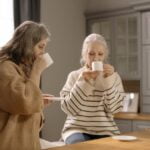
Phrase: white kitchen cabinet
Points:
(141, 125)
(146, 70)
(128, 122)
(145, 80)
(126, 46)
(122, 35)
(131, 125)
(146, 27)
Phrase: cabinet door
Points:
(140, 125)
(146, 28)
(124, 125)
(126, 46)
(145, 105)
(146, 70)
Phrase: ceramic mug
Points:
(97, 66)
(48, 59)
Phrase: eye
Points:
(42, 46)
(91, 53)
(100, 54)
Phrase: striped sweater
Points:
(90, 106)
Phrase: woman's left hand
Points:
(47, 98)
(108, 70)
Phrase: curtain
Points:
(26, 10)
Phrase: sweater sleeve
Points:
(113, 93)
(17, 94)
(76, 90)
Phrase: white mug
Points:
(48, 59)
(97, 66)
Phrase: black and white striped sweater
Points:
(90, 106)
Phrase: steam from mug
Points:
(97, 66)
(48, 59)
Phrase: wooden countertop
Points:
(132, 116)
(142, 143)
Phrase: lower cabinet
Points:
(131, 125)
(140, 125)
(124, 125)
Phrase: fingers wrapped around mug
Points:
(108, 70)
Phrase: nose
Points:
(96, 58)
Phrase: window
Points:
(6, 21)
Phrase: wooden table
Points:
(142, 143)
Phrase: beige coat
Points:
(20, 109)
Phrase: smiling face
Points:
(39, 48)
(95, 51)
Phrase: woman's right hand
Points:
(40, 63)
(38, 67)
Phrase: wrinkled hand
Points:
(108, 70)
(47, 99)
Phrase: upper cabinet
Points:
(146, 28)
(126, 46)
(121, 32)
(145, 93)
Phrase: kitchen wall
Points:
(66, 22)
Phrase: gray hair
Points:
(91, 39)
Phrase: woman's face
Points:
(95, 52)
(39, 48)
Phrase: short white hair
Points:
(91, 39)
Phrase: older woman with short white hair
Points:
(92, 96)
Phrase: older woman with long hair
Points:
(91, 96)
(21, 100)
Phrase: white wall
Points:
(66, 22)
